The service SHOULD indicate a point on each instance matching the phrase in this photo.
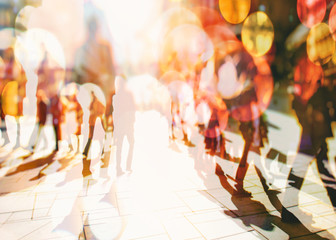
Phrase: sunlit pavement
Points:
(173, 192)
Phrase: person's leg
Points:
(259, 167)
(44, 137)
(88, 144)
(37, 135)
(130, 138)
(119, 137)
(18, 143)
(294, 184)
(222, 147)
(87, 162)
(271, 194)
(11, 130)
(56, 129)
(242, 169)
(73, 143)
(214, 147)
(326, 175)
(271, 155)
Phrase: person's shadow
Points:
(251, 212)
(44, 162)
(262, 218)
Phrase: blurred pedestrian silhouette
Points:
(56, 111)
(316, 115)
(72, 116)
(13, 93)
(42, 111)
(97, 110)
(254, 133)
(94, 63)
(124, 119)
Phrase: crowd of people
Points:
(80, 98)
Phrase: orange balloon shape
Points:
(234, 11)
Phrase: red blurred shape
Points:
(311, 12)
(332, 21)
(220, 33)
(208, 16)
(306, 77)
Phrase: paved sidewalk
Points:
(174, 192)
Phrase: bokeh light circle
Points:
(91, 87)
(31, 47)
(244, 82)
(234, 68)
(185, 48)
(234, 11)
(172, 18)
(257, 34)
(22, 18)
(320, 44)
(219, 112)
(10, 99)
(219, 33)
(332, 21)
(306, 77)
(311, 12)
(207, 16)
(180, 92)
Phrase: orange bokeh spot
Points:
(306, 76)
(311, 12)
(10, 98)
(207, 16)
(185, 48)
(234, 11)
(220, 33)
(320, 44)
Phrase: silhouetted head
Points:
(92, 26)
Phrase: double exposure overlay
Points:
(167, 119)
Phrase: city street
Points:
(173, 192)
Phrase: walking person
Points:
(124, 119)
(42, 110)
(56, 112)
(320, 112)
(97, 110)
(254, 133)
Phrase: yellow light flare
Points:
(234, 11)
(320, 44)
(257, 34)
(10, 98)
